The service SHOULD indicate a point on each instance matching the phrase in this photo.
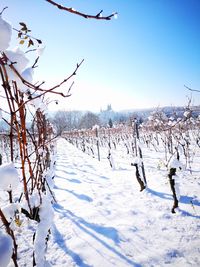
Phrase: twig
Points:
(86, 16)
(28, 35)
(36, 61)
(37, 88)
(51, 90)
(3, 10)
(190, 89)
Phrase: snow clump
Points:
(10, 210)
(19, 59)
(9, 177)
(175, 163)
(5, 34)
(40, 51)
(95, 127)
(46, 220)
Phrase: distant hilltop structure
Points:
(107, 115)
(108, 109)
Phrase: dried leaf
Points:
(19, 34)
(23, 24)
(21, 42)
(24, 29)
(30, 42)
(18, 222)
(39, 41)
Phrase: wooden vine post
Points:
(139, 165)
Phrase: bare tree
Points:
(89, 120)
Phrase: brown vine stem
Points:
(86, 16)
(11, 233)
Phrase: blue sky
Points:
(142, 59)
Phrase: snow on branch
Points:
(86, 16)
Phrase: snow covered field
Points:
(101, 218)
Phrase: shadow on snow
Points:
(68, 180)
(61, 242)
(183, 199)
(79, 196)
(108, 232)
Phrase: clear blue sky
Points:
(142, 59)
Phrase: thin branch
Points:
(3, 10)
(36, 61)
(28, 35)
(31, 50)
(37, 88)
(70, 87)
(190, 89)
(86, 16)
(51, 90)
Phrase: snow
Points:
(5, 249)
(137, 161)
(40, 50)
(5, 34)
(20, 62)
(27, 74)
(46, 217)
(175, 163)
(115, 15)
(95, 127)
(102, 219)
(35, 199)
(17, 56)
(110, 223)
(37, 102)
(9, 179)
(10, 210)
(177, 186)
(99, 218)
(187, 113)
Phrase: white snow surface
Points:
(17, 56)
(5, 249)
(46, 215)
(27, 74)
(5, 34)
(20, 61)
(9, 179)
(175, 163)
(40, 50)
(101, 219)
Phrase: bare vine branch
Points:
(86, 16)
(190, 89)
(3, 10)
(37, 88)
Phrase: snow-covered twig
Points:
(86, 16)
